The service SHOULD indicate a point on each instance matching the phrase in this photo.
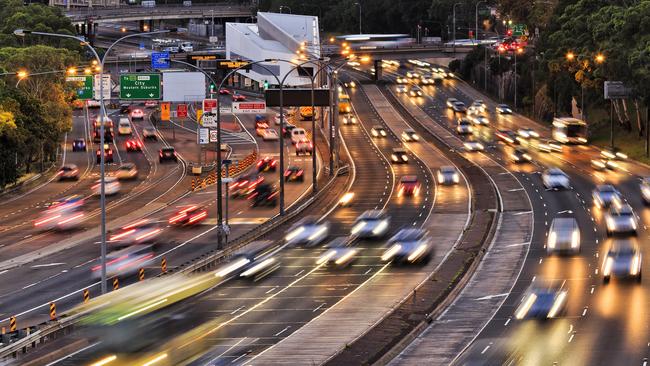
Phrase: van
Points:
(298, 134)
(124, 126)
(563, 236)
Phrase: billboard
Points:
(183, 86)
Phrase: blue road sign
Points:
(160, 60)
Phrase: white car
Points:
(149, 133)
(563, 236)
(408, 246)
(187, 47)
(464, 127)
(124, 127)
(307, 231)
(473, 110)
(378, 131)
(451, 102)
(338, 253)
(401, 89)
(448, 175)
(555, 178)
(126, 172)
(623, 259)
(527, 133)
(409, 135)
(111, 186)
(480, 120)
(459, 107)
(503, 109)
(605, 195)
(137, 114)
(480, 105)
(270, 134)
(621, 219)
(645, 190)
(349, 119)
(473, 145)
(371, 224)
(543, 300)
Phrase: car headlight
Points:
(636, 265)
(383, 133)
(645, 191)
(356, 228)
(633, 223)
(415, 137)
(417, 253)
(374, 132)
(557, 305)
(292, 235)
(575, 239)
(607, 266)
(380, 228)
(393, 157)
(318, 234)
(525, 306)
(440, 178)
(528, 157)
(405, 158)
(390, 252)
(552, 238)
(456, 178)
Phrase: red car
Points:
(108, 154)
(138, 232)
(224, 91)
(189, 216)
(294, 174)
(150, 103)
(236, 97)
(245, 185)
(267, 164)
(133, 145)
(408, 186)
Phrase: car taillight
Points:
(299, 173)
(161, 154)
(287, 173)
(259, 163)
(274, 163)
(198, 217)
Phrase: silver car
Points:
(448, 175)
(555, 178)
(307, 231)
(645, 189)
(623, 260)
(339, 253)
(563, 236)
(371, 224)
(621, 219)
(408, 246)
(605, 195)
(464, 127)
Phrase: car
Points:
(267, 164)
(620, 219)
(473, 145)
(244, 186)
(167, 153)
(371, 224)
(451, 102)
(111, 186)
(555, 178)
(133, 145)
(464, 126)
(261, 122)
(125, 261)
(623, 260)
(409, 185)
(399, 156)
(150, 103)
(124, 127)
(294, 174)
(298, 134)
(503, 109)
(224, 91)
(149, 133)
(604, 164)
(79, 145)
(378, 131)
(401, 80)
(563, 236)
(236, 97)
(137, 114)
(304, 147)
(350, 84)
(142, 231)
(401, 89)
(408, 246)
(448, 175)
(171, 49)
(126, 171)
(270, 135)
(542, 300)
(349, 119)
(459, 107)
(339, 253)
(520, 155)
(287, 128)
(605, 195)
(409, 135)
(480, 105)
(473, 110)
(108, 155)
(308, 231)
(506, 136)
(68, 172)
(415, 92)
(613, 154)
(276, 118)
(264, 194)
(644, 187)
(189, 216)
(108, 122)
(108, 134)
(480, 120)
(527, 133)
(548, 146)
(124, 108)
(186, 47)
(63, 214)
(428, 80)
(412, 75)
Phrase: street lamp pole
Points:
(359, 5)
(454, 26)
(476, 14)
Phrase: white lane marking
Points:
(47, 265)
(226, 351)
(237, 359)
(491, 296)
(236, 310)
(72, 354)
(271, 290)
(299, 273)
(319, 306)
(485, 349)
(282, 331)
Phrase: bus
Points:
(344, 103)
(569, 130)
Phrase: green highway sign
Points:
(140, 86)
(518, 29)
(84, 86)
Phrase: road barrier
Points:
(233, 170)
(52, 311)
(141, 274)
(163, 265)
(193, 184)
(116, 284)
(12, 324)
(86, 296)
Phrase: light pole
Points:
(359, 5)
(284, 6)
(518, 50)
(103, 115)
(477, 4)
(454, 25)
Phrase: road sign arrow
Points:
(128, 95)
(151, 95)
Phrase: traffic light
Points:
(212, 87)
(266, 84)
(471, 34)
(509, 33)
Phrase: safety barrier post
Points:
(163, 265)
(86, 296)
(12, 324)
(116, 284)
(141, 274)
(52, 311)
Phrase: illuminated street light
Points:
(600, 58)
(570, 56)
(72, 71)
(22, 74)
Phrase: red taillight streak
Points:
(299, 173)
(121, 235)
(70, 219)
(175, 219)
(135, 224)
(187, 209)
(273, 195)
(200, 216)
(111, 262)
(37, 223)
(148, 256)
(287, 173)
(252, 195)
(144, 236)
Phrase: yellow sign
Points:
(165, 111)
(203, 57)
(228, 64)
(199, 114)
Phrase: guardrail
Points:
(163, 12)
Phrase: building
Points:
(288, 37)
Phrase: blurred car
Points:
(125, 107)
(140, 232)
(63, 214)
(412, 75)
(378, 131)
(349, 119)
(276, 118)
(448, 175)
(287, 128)
(308, 231)
(480, 120)
(149, 133)
(409, 186)
(554, 178)
(137, 114)
(79, 145)
(401, 80)
(604, 164)
(401, 89)
(621, 219)
(409, 135)
(108, 154)
(520, 156)
(167, 154)
(294, 174)
(464, 126)
(563, 236)
(613, 153)
(415, 92)
(259, 131)
(549, 146)
(473, 145)
(527, 133)
(111, 186)
(150, 103)
(125, 262)
(267, 164)
(108, 122)
(304, 147)
(371, 224)
(542, 300)
(270, 135)
(68, 172)
(133, 145)
(124, 127)
(399, 156)
(451, 102)
(261, 122)
(644, 186)
(236, 97)
(338, 253)
(108, 134)
(623, 260)
(503, 109)
(243, 186)
(224, 91)
(506, 136)
(126, 171)
(264, 194)
(350, 84)
(480, 105)
(459, 107)
(605, 195)
(408, 246)
(189, 216)
(473, 110)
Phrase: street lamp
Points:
(520, 51)
(103, 115)
(359, 5)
